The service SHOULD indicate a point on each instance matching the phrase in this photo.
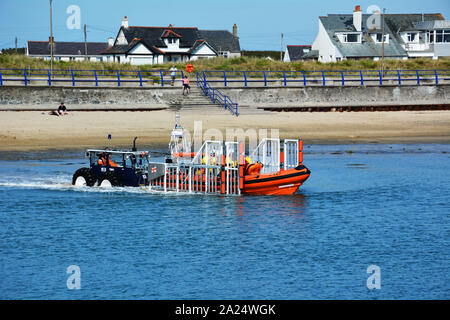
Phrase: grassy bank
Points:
(8, 61)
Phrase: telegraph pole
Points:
(16, 45)
(85, 44)
(51, 39)
(382, 45)
(281, 49)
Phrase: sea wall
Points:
(250, 97)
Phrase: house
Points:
(298, 52)
(67, 51)
(353, 36)
(154, 45)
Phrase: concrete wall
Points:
(336, 96)
(53, 96)
(252, 97)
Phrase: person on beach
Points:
(186, 86)
(61, 111)
(173, 73)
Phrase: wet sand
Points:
(33, 130)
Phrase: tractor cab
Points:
(115, 168)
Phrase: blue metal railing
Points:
(216, 96)
(76, 77)
(163, 78)
(326, 78)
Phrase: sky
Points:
(260, 23)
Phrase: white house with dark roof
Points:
(351, 36)
(154, 45)
(67, 51)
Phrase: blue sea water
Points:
(383, 205)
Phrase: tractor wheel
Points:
(110, 179)
(83, 177)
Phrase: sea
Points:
(371, 222)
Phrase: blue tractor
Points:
(114, 168)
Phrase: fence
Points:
(325, 78)
(224, 78)
(91, 77)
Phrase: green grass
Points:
(12, 61)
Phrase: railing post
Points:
(381, 77)
(162, 78)
(49, 78)
(140, 78)
(435, 75)
(96, 78)
(25, 77)
(323, 78)
(418, 77)
(265, 79)
(204, 78)
(118, 78)
(342, 76)
(1, 78)
(399, 78)
(213, 97)
(284, 76)
(304, 78)
(73, 77)
(362, 78)
(225, 78)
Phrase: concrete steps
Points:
(193, 100)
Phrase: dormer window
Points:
(412, 37)
(350, 37)
(377, 38)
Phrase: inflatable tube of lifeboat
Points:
(283, 182)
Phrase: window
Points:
(350, 37)
(430, 36)
(442, 35)
(379, 36)
(411, 36)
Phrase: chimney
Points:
(110, 42)
(125, 22)
(357, 18)
(235, 30)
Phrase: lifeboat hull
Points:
(283, 182)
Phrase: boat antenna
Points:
(134, 144)
(177, 119)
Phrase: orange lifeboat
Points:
(283, 182)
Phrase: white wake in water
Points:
(65, 184)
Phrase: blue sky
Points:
(260, 23)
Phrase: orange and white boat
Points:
(275, 167)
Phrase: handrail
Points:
(216, 96)
(226, 78)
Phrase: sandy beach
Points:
(34, 130)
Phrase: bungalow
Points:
(67, 51)
(350, 36)
(152, 45)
